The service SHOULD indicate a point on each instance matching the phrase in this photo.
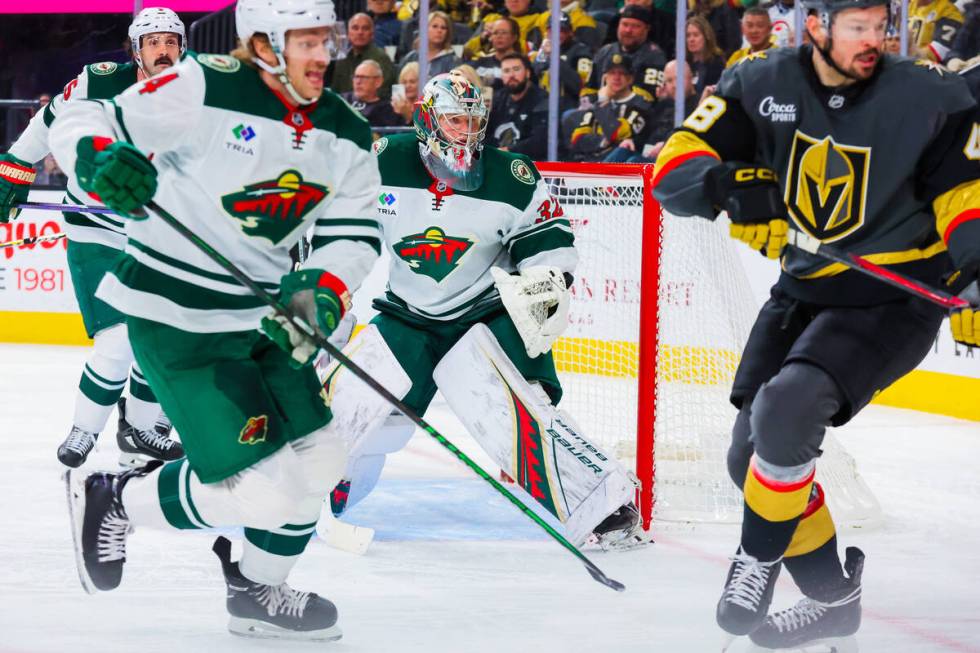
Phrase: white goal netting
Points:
(704, 309)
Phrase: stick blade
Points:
(600, 577)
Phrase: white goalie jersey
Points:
(244, 171)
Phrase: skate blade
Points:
(343, 536)
(828, 645)
(638, 540)
(75, 493)
(255, 629)
(134, 460)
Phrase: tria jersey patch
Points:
(273, 209)
(432, 253)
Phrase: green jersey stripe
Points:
(541, 242)
(192, 269)
(322, 241)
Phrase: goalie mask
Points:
(451, 121)
(153, 21)
(276, 17)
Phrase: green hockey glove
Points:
(16, 177)
(116, 174)
(751, 196)
(318, 298)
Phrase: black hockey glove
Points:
(750, 195)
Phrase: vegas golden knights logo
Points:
(827, 186)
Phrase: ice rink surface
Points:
(455, 569)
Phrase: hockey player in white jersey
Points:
(481, 261)
(249, 152)
(94, 242)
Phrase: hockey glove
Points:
(116, 174)
(16, 177)
(751, 196)
(318, 298)
(537, 301)
(965, 322)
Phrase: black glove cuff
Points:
(749, 193)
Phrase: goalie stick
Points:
(357, 371)
(812, 245)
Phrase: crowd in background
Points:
(617, 75)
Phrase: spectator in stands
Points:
(703, 53)
(583, 25)
(661, 119)
(631, 40)
(442, 59)
(757, 32)
(724, 20)
(404, 103)
(360, 36)
(782, 15)
(619, 115)
(663, 24)
(504, 40)
(366, 97)
(966, 45)
(519, 11)
(519, 112)
(575, 66)
(387, 27)
(933, 25)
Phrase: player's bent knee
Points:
(113, 343)
(272, 492)
(791, 413)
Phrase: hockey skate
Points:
(139, 447)
(76, 447)
(745, 600)
(818, 625)
(274, 611)
(100, 525)
(622, 530)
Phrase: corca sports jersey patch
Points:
(223, 63)
(103, 68)
(827, 186)
(272, 209)
(522, 172)
(432, 253)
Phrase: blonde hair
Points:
(449, 26)
(245, 51)
(410, 67)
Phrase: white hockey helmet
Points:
(276, 17)
(152, 21)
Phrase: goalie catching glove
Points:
(318, 298)
(16, 177)
(537, 301)
(116, 174)
(751, 196)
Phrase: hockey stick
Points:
(31, 240)
(812, 245)
(359, 372)
(45, 206)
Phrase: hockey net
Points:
(661, 309)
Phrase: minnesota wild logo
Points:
(273, 209)
(432, 253)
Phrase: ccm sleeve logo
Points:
(749, 174)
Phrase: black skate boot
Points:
(100, 525)
(274, 611)
(76, 447)
(812, 622)
(623, 529)
(748, 592)
(139, 447)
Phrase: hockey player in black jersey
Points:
(869, 152)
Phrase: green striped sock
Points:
(174, 487)
(98, 389)
(288, 540)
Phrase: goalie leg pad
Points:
(365, 465)
(528, 438)
(357, 409)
